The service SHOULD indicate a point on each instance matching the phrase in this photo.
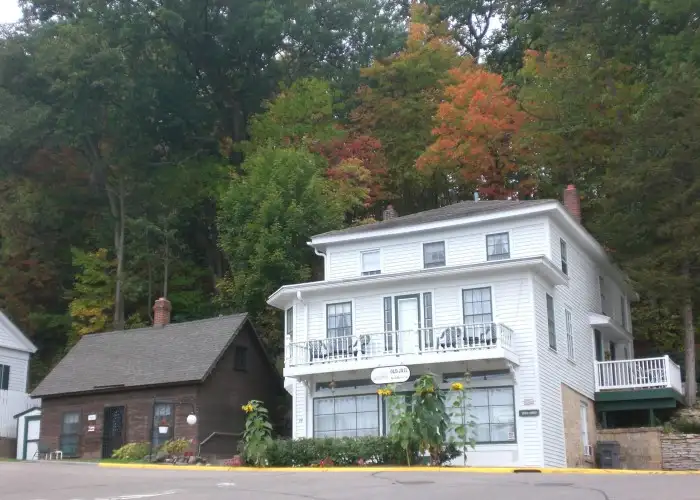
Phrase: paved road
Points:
(46, 481)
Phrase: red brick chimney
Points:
(572, 202)
(161, 312)
(389, 213)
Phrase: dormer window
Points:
(370, 263)
(434, 254)
(497, 246)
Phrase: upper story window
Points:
(623, 311)
(434, 254)
(290, 323)
(551, 327)
(4, 377)
(370, 263)
(601, 284)
(240, 359)
(497, 246)
(564, 257)
(339, 320)
(569, 334)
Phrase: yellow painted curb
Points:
(481, 470)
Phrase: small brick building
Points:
(121, 387)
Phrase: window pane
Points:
(345, 421)
(481, 414)
(482, 433)
(345, 404)
(503, 432)
(479, 397)
(367, 403)
(324, 423)
(501, 396)
(323, 406)
(370, 261)
(501, 415)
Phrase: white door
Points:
(32, 437)
(407, 324)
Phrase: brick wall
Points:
(8, 447)
(571, 407)
(138, 409)
(640, 448)
(680, 451)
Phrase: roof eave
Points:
(321, 241)
(540, 264)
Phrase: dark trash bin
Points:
(608, 454)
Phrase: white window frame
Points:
(352, 317)
(500, 256)
(564, 251)
(551, 322)
(569, 333)
(289, 323)
(456, 417)
(623, 312)
(370, 272)
(444, 253)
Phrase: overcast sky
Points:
(9, 11)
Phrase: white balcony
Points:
(408, 347)
(12, 403)
(633, 374)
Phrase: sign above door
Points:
(390, 375)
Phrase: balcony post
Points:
(596, 369)
(667, 370)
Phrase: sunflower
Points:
(457, 386)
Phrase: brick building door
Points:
(113, 430)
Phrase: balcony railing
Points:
(424, 340)
(650, 373)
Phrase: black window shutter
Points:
(5, 378)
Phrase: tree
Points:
(400, 93)
(476, 145)
(265, 220)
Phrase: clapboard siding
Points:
(18, 362)
(462, 246)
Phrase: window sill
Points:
(553, 349)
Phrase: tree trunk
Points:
(689, 329)
(116, 203)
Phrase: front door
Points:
(32, 430)
(113, 430)
(407, 323)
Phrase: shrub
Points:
(131, 452)
(376, 450)
(685, 425)
(174, 447)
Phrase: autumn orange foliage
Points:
(476, 135)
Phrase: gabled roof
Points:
(12, 338)
(459, 210)
(176, 353)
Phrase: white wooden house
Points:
(15, 351)
(518, 293)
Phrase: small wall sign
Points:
(529, 413)
(91, 428)
(390, 375)
(92, 416)
(528, 401)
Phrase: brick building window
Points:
(163, 416)
(70, 434)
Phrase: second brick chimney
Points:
(572, 202)
(389, 213)
(161, 312)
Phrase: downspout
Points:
(325, 269)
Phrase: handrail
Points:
(215, 433)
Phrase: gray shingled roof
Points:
(455, 211)
(180, 352)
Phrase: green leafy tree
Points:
(92, 296)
